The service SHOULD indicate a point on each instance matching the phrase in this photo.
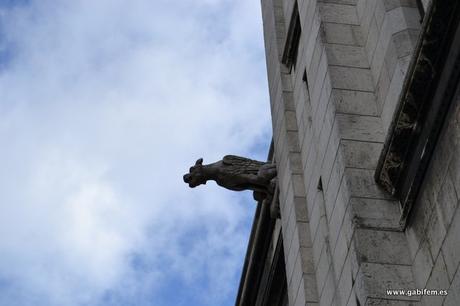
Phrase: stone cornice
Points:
(429, 86)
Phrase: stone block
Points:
(392, 4)
(453, 298)
(405, 42)
(355, 102)
(316, 214)
(312, 68)
(306, 256)
(422, 265)
(391, 58)
(339, 257)
(379, 13)
(300, 297)
(328, 290)
(322, 267)
(374, 279)
(346, 55)
(356, 127)
(372, 39)
(384, 247)
(367, 9)
(435, 233)
(361, 184)
(392, 97)
(310, 288)
(345, 283)
(384, 214)
(454, 177)
(451, 245)
(351, 2)
(346, 34)
(336, 218)
(329, 157)
(303, 230)
(402, 18)
(301, 212)
(338, 13)
(295, 281)
(383, 84)
(351, 78)
(320, 80)
(378, 56)
(360, 154)
(334, 184)
(438, 280)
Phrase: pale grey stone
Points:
(372, 39)
(309, 286)
(382, 246)
(453, 298)
(361, 183)
(364, 128)
(435, 232)
(451, 245)
(392, 97)
(355, 102)
(306, 256)
(328, 290)
(438, 280)
(303, 230)
(405, 42)
(300, 297)
(338, 13)
(374, 279)
(346, 34)
(340, 1)
(345, 55)
(391, 4)
(351, 78)
(360, 154)
(383, 214)
(422, 265)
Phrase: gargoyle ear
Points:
(199, 162)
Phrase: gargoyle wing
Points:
(241, 165)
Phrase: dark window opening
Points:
(291, 47)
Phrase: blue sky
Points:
(104, 105)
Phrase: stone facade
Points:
(332, 109)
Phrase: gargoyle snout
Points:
(187, 178)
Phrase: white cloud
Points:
(105, 104)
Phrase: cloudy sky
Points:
(104, 105)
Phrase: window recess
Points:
(291, 46)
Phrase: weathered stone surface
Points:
(382, 247)
(344, 55)
(351, 78)
(338, 13)
(374, 279)
(235, 173)
(382, 214)
(360, 154)
(364, 128)
(355, 102)
(338, 33)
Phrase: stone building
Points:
(365, 108)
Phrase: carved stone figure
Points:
(235, 173)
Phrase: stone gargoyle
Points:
(236, 173)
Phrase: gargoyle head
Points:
(196, 176)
